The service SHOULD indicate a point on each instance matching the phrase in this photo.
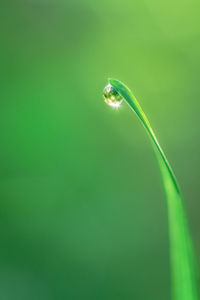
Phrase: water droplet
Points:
(112, 97)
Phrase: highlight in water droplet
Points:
(111, 96)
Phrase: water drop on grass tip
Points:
(112, 97)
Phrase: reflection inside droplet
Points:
(112, 97)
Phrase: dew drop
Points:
(112, 97)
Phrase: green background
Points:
(82, 210)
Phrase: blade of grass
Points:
(184, 285)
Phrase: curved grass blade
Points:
(184, 286)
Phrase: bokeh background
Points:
(82, 210)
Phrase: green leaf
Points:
(184, 285)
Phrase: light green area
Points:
(182, 256)
(82, 210)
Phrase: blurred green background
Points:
(82, 209)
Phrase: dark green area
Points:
(82, 210)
